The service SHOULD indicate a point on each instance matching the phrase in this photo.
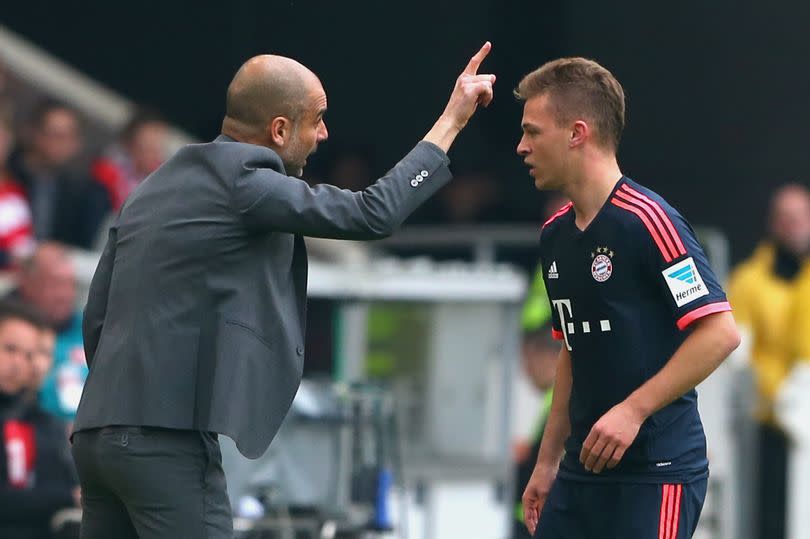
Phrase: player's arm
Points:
(714, 337)
(558, 427)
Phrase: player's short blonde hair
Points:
(579, 88)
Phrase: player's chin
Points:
(540, 182)
(545, 182)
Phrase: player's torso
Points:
(606, 304)
(618, 331)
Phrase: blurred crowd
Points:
(48, 192)
(57, 194)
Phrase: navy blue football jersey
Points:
(624, 293)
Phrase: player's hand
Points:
(610, 437)
(534, 497)
(471, 90)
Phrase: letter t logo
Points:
(562, 305)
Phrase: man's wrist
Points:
(548, 464)
(639, 406)
(443, 133)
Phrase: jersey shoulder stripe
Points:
(655, 219)
(562, 211)
(645, 218)
(661, 213)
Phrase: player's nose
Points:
(522, 147)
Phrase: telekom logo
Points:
(566, 314)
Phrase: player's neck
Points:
(590, 190)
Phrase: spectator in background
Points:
(16, 232)
(6, 84)
(346, 166)
(140, 150)
(473, 199)
(764, 291)
(48, 282)
(66, 206)
(42, 362)
(37, 477)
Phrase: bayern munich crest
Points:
(602, 266)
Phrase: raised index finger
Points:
(475, 61)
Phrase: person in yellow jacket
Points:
(764, 292)
(792, 410)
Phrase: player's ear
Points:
(580, 131)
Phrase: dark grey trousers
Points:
(149, 483)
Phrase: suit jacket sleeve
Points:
(269, 200)
(96, 308)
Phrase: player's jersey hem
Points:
(686, 476)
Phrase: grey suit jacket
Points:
(196, 313)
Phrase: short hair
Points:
(15, 310)
(579, 88)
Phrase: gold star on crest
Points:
(603, 251)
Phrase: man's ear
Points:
(580, 132)
(279, 130)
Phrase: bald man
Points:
(195, 319)
(48, 282)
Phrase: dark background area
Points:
(717, 91)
